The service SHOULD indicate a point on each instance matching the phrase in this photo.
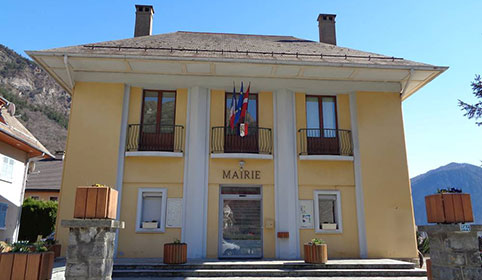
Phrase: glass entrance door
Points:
(241, 232)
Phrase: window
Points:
(157, 121)
(54, 198)
(34, 197)
(151, 209)
(3, 215)
(251, 115)
(328, 211)
(321, 126)
(326, 121)
(6, 170)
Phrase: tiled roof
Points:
(183, 44)
(46, 176)
(15, 129)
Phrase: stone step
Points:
(251, 266)
(269, 273)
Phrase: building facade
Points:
(18, 149)
(324, 155)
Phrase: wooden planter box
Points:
(31, 266)
(449, 208)
(316, 253)
(95, 203)
(56, 248)
(175, 253)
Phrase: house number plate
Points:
(464, 227)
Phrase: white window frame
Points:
(7, 177)
(162, 225)
(339, 219)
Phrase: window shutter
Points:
(3, 214)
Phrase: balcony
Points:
(155, 138)
(325, 142)
(226, 140)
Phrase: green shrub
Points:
(38, 218)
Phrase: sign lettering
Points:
(242, 174)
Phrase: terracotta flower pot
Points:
(56, 248)
(449, 208)
(95, 203)
(34, 266)
(175, 253)
(316, 253)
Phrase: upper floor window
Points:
(252, 113)
(6, 169)
(157, 121)
(321, 131)
(321, 115)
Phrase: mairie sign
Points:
(242, 174)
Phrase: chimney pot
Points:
(144, 14)
(326, 25)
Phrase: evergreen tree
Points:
(474, 110)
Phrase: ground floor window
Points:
(328, 211)
(3, 215)
(151, 209)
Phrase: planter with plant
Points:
(175, 252)
(24, 260)
(316, 251)
(95, 202)
(449, 206)
(53, 246)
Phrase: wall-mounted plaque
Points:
(306, 214)
(174, 213)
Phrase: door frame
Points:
(221, 216)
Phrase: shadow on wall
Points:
(9, 221)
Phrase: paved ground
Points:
(282, 278)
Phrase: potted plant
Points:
(23, 260)
(316, 251)
(175, 252)
(95, 202)
(449, 206)
(150, 225)
(53, 246)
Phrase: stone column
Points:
(454, 253)
(90, 253)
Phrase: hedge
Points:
(38, 218)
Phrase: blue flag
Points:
(239, 106)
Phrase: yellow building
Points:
(324, 155)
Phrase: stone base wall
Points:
(455, 254)
(90, 253)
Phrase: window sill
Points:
(328, 231)
(326, 157)
(153, 154)
(241, 155)
(149, 230)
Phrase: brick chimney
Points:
(326, 25)
(144, 15)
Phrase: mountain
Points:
(458, 175)
(41, 104)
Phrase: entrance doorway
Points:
(240, 222)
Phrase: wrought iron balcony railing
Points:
(315, 141)
(146, 137)
(227, 140)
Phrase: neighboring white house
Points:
(18, 147)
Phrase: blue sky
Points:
(444, 33)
